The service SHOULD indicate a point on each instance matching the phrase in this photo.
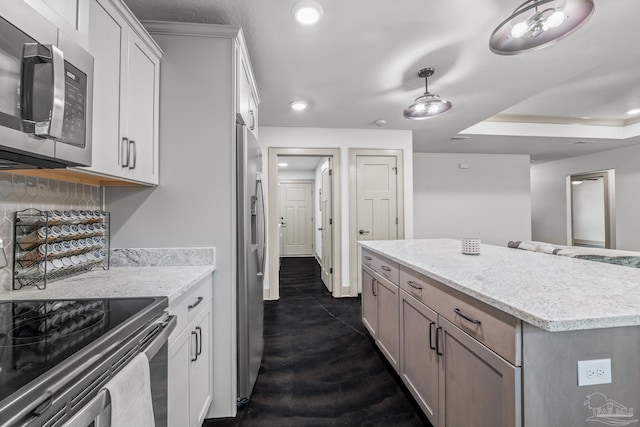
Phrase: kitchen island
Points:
(495, 339)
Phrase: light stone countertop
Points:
(554, 293)
(119, 282)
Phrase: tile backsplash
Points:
(18, 192)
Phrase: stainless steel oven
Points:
(56, 356)
(46, 87)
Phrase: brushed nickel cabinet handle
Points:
(385, 268)
(431, 329)
(438, 334)
(373, 287)
(367, 258)
(466, 317)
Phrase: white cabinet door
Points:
(200, 376)
(253, 114)
(243, 89)
(70, 16)
(107, 42)
(178, 382)
(142, 111)
(126, 89)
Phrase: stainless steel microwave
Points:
(46, 86)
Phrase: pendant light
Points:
(428, 105)
(538, 23)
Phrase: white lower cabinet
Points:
(190, 377)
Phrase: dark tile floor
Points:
(320, 367)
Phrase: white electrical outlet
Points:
(591, 372)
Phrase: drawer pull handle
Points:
(385, 268)
(431, 327)
(413, 285)
(373, 287)
(465, 317)
(195, 304)
(194, 358)
(368, 258)
(438, 334)
(199, 350)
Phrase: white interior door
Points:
(376, 188)
(326, 234)
(296, 217)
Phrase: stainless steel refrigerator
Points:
(251, 261)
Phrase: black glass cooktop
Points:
(37, 335)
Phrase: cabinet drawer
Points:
(384, 267)
(190, 304)
(495, 329)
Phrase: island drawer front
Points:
(384, 267)
(495, 329)
(190, 304)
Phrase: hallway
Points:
(320, 367)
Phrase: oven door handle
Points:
(168, 325)
(90, 411)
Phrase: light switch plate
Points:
(592, 372)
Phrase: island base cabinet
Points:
(418, 359)
(477, 387)
(552, 396)
(369, 303)
(388, 331)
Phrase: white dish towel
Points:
(130, 392)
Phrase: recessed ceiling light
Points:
(307, 12)
(283, 165)
(633, 111)
(298, 105)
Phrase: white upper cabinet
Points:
(246, 93)
(126, 88)
(71, 16)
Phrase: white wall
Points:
(195, 203)
(548, 195)
(490, 200)
(284, 174)
(345, 139)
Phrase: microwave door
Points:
(74, 145)
(21, 26)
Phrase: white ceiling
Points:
(360, 64)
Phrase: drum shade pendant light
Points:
(538, 23)
(428, 105)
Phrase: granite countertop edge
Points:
(120, 282)
(551, 323)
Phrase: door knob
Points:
(361, 231)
